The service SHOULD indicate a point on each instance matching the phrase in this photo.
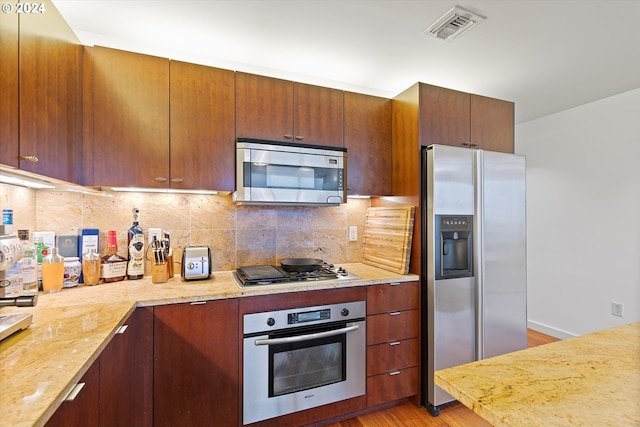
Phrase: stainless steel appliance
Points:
(474, 259)
(196, 263)
(271, 173)
(302, 358)
(270, 275)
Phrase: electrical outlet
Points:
(353, 234)
(616, 309)
(155, 232)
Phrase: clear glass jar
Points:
(52, 271)
(91, 267)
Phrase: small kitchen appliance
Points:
(196, 262)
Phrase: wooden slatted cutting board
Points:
(387, 238)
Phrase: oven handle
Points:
(298, 338)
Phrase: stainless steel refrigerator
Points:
(473, 260)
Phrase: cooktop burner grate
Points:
(269, 274)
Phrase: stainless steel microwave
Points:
(270, 173)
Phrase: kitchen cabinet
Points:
(83, 408)
(127, 119)
(196, 364)
(41, 105)
(285, 111)
(367, 137)
(393, 351)
(202, 127)
(451, 117)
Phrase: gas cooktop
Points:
(271, 275)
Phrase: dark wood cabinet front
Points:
(196, 364)
(492, 124)
(129, 111)
(9, 42)
(285, 111)
(202, 129)
(367, 137)
(83, 409)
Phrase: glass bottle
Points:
(135, 238)
(52, 271)
(91, 267)
(29, 264)
(113, 267)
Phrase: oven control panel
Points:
(308, 316)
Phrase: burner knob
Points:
(271, 321)
(344, 312)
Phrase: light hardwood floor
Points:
(408, 415)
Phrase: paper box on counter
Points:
(67, 246)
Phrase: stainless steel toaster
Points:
(196, 263)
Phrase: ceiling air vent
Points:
(453, 23)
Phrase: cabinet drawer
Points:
(394, 326)
(384, 358)
(392, 386)
(392, 297)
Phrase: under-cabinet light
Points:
(160, 190)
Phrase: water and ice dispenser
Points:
(454, 246)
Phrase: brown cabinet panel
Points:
(130, 118)
(196, 364)
(367, 137)
(264, 107)
(202, 117)
(444, 116)
(383, 328)
(84, 409)
(384, 358)
(392, 297)
(9, 147)
(126, 374)
(492, 124)
(50, 96)
(388, 387)
(318, 115)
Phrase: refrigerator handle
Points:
(478, 251)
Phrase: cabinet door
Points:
(264, 108)
(385, 388)
(392, 297)
(444, 116)
(492, 124)
(83, 409)
(130, 118)
(202, 127)
(394, 326)
(50, 97)
(126, 374)
(367, 137)
(9, 89)
(196, 368)
(318, 115)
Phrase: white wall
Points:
(583, 215)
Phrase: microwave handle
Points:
(298, 338)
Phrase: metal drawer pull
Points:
(32, 159)
(198, 302)
(394, 313)
(394, 373)
(74, 392)
(121, 329)
(394, 284)
(306, 337)
(394, 343)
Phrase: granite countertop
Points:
(40, 365)
(589, 380)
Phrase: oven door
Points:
(295, 370)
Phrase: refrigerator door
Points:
(501, 271)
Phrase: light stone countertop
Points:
(40, 365)
(590, 380)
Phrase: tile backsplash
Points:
(237, 235)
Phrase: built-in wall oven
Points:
(301, 358)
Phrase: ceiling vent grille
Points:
(453, 24)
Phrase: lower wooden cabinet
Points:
(196, 364)
(83, 409)
(392, 386)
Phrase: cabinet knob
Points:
(177, 180)
(299, 137)
(161, 179)
(287, 136)
(32, 159)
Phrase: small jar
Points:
(72, 270)
(52, 271)
(91, 267)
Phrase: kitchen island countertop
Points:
(590, 380)
(40, 365)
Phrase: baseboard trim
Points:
(557, 333)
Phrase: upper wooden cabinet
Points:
(127, 113)
(367, 137)
(202, 129)
(281, 110)
(450, 117)
(41, 101)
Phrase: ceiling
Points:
(546, 56)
